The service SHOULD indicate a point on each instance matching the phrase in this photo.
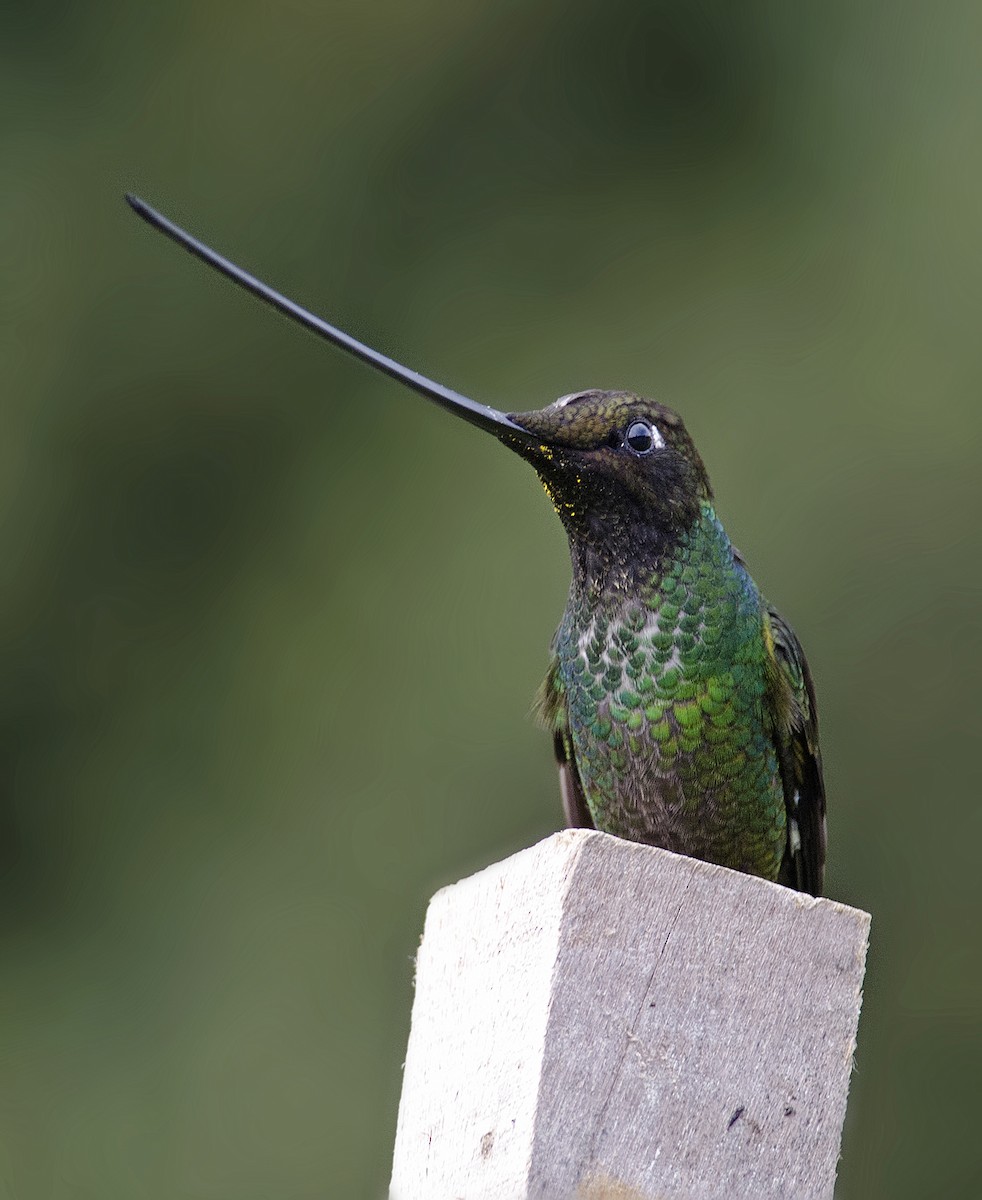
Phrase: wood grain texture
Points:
(596, 1018)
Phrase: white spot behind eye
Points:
(642, 436)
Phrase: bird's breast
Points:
(666, 695)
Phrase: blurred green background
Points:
(271, 626)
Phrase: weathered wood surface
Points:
(594, 1018)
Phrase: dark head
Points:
(621, 470)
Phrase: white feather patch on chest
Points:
(614, 652)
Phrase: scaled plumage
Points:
(680, 702)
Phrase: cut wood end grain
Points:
(593, 1013)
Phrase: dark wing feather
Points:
(796, 738)
(570, 788)
(550, 707)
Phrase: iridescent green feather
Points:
(683, 711)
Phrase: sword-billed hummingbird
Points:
(680, 704)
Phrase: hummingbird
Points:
(680, 705)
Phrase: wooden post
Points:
(595, 1018)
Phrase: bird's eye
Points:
(642, 438)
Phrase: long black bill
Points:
(478, 414)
